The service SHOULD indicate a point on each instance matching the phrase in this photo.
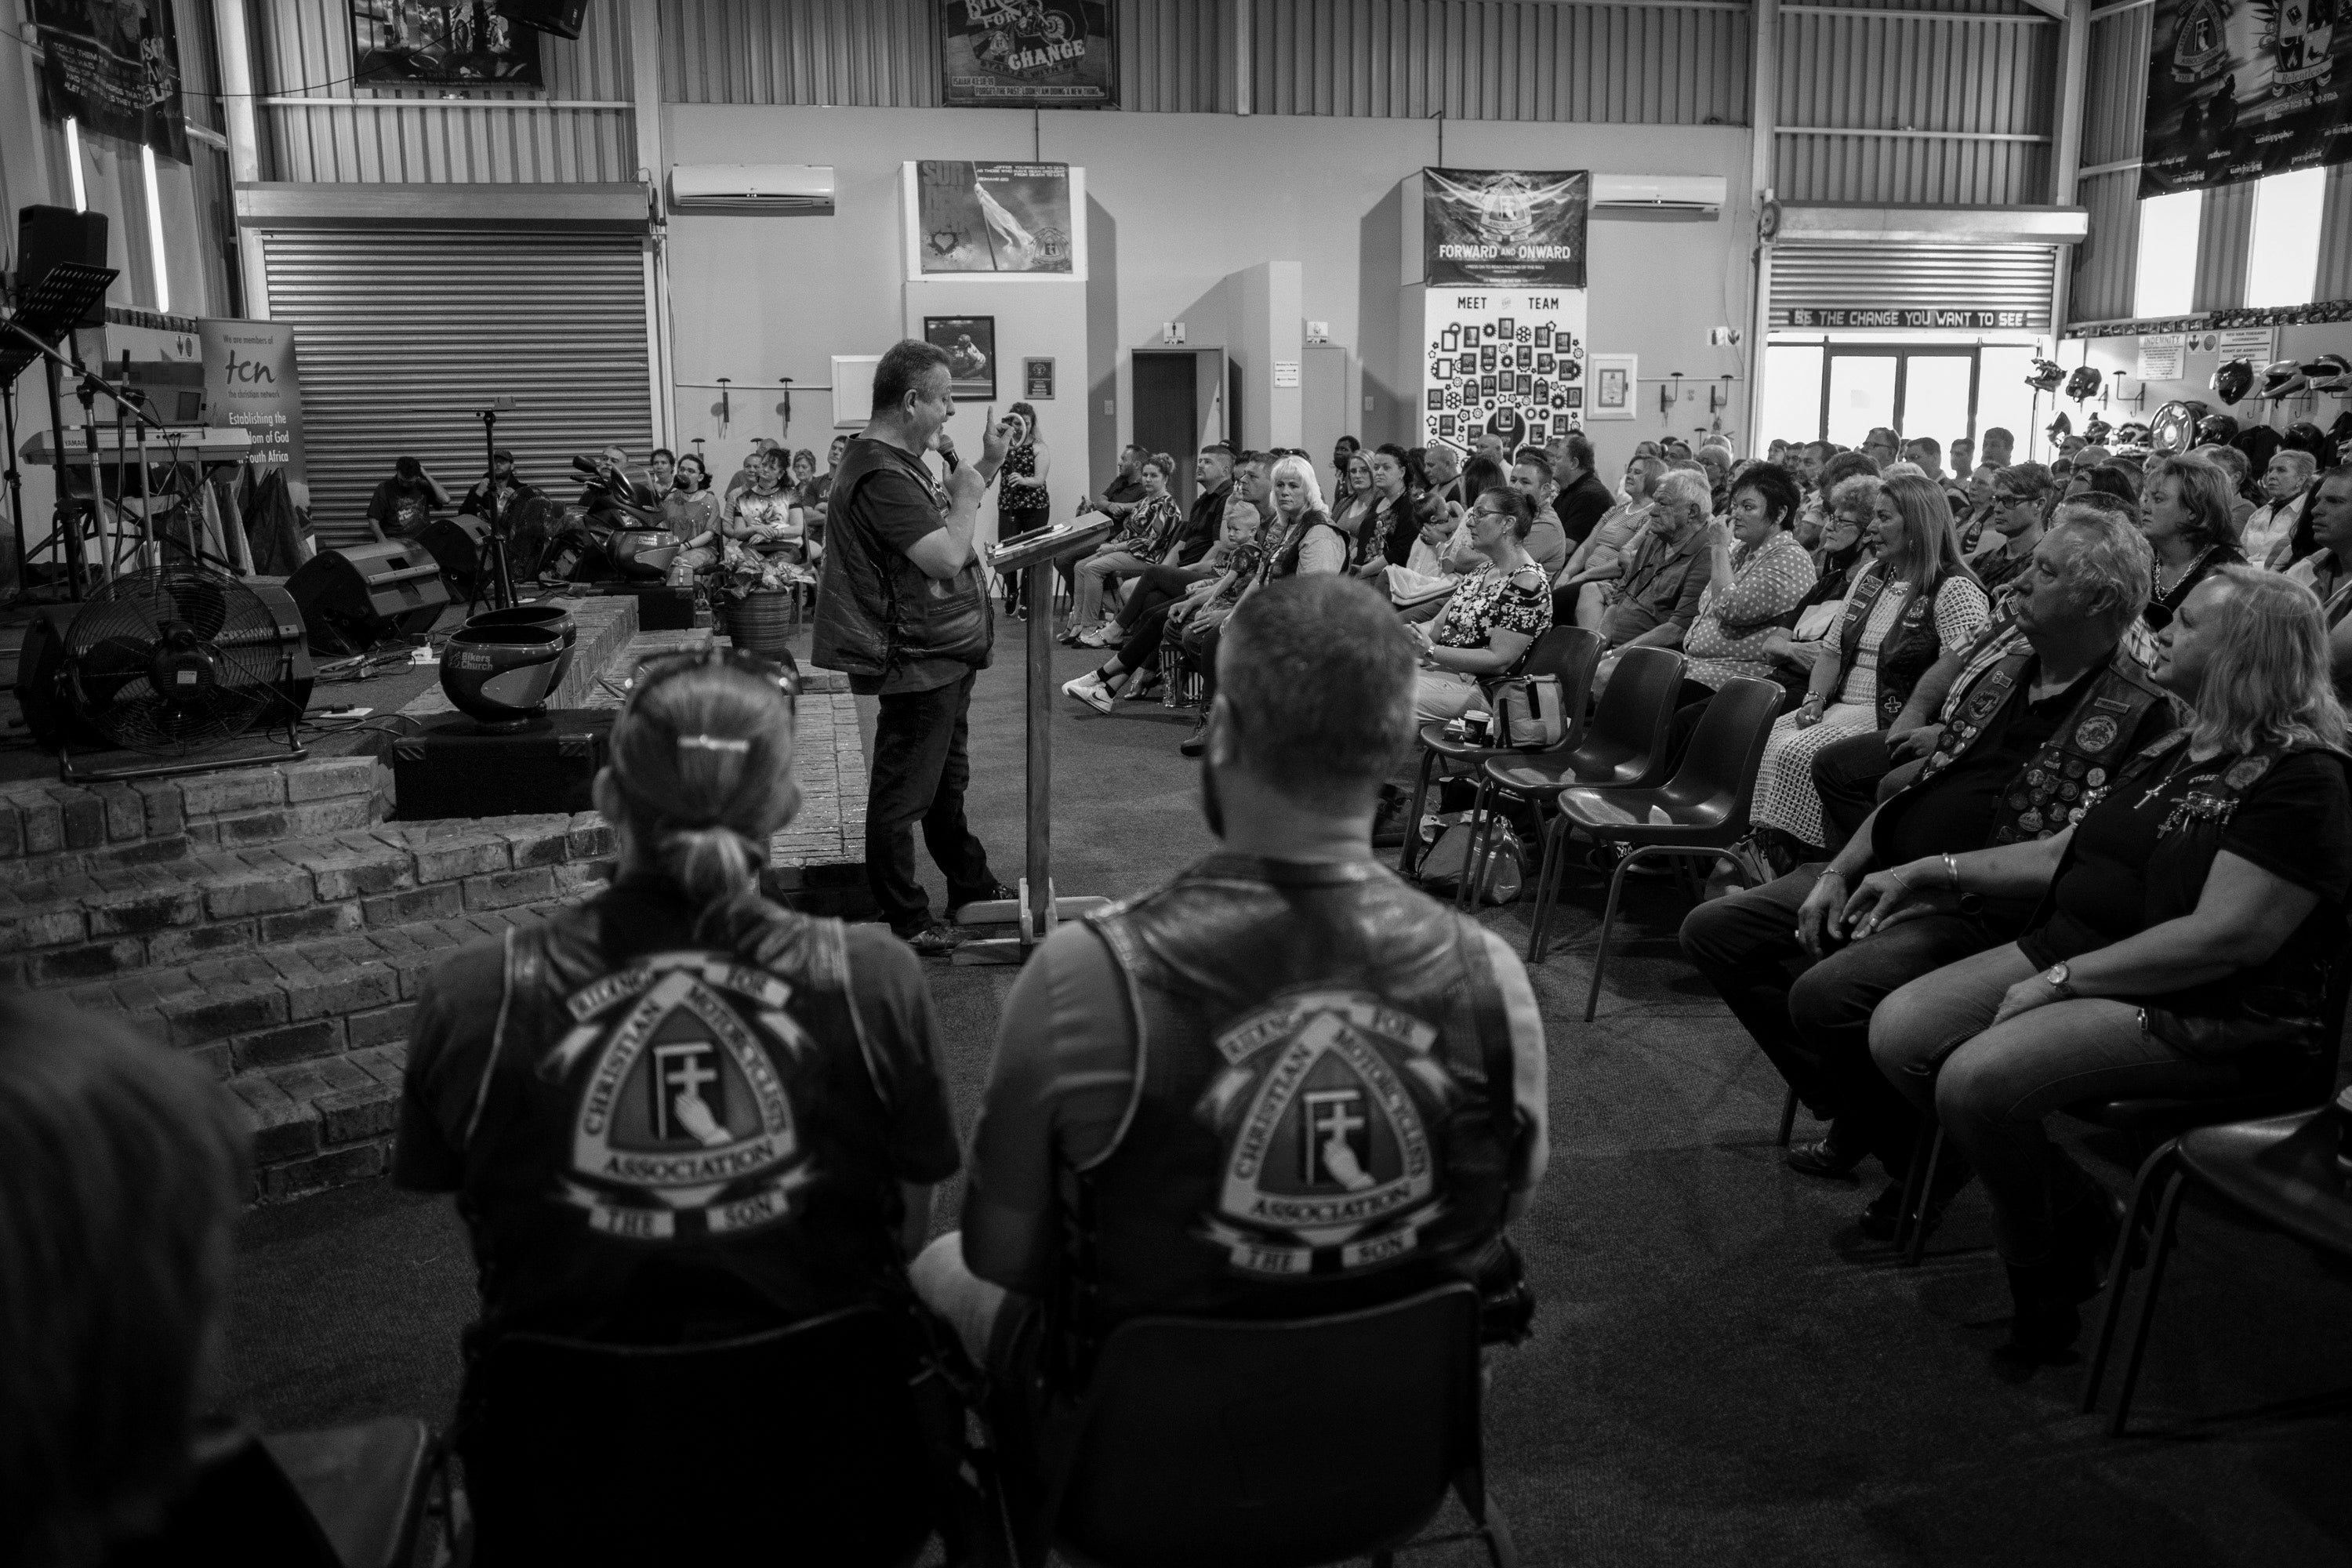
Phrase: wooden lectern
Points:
(1037, 909)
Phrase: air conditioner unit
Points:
(779, 188)
(1671, 192)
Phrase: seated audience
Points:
(2021, 497)
(2185, 513)
(742, 477)
(2271, 527)
(2035, 730)
(2232, 464)
(1125, 489)
(1601, 557)
(1343, 473)
(1547, 542)
(1233, 560)
(691, 512)
(763, 517)
(404, 504)
(2327, 571)
(1929, 453)
(1493, 619)
(1882, 446)
(1116, 1167)
(1352, 506)
(1654, 601)
(2187, 923)
(2105, 479)
(1917, 600)
(1442, 466)
(797, 1066)
(1390, 528)
(1841, 556)
(123, 1170)
(511, 492)
(1969, 520)
(1152, 530)
(1757, 575)
(617, 496)
(1964, 456)
(1715, 457)
(2000, 447)
(1579, 500)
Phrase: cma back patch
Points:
(1328, 1165)
(681, 1123)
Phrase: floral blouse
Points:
(1490, 603)
(1151, 528)
(1728, 635)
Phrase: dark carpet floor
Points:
(1722, 1370)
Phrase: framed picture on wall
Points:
(970, 345)
(1614, 381)
(1037, 379)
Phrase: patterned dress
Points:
(1014, 491)
(1728, 635)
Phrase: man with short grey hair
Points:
(2030, 737)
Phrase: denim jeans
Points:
(918, 776)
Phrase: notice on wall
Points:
(2259, 345)
(1503, 362)
(251, 384)
(2237, 90)
(1503, 228)
(1285, 372)
(1023, 54)
(114, 67)
(2160, 356)
(1007, 220)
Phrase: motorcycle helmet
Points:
(2083, 382)
(2174, 428)
(2133, 433)
(2216, 430)
(2330, 374)
(2302, 435)
(2283, 378)
(2341, 431)
(2260, 443)
(2233, 381)
(2047, 375)
(2060, 428)
(2097, 430)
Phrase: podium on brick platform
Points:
(1037, 908)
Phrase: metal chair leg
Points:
(1918, 1243)
(1406, 858)
(1914, 1183)
(2153, 1171)
(2167, 1218)
(1546, 885)
(1473, 870)
(1788, 1118)
(1608, 918)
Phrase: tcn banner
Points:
(251, 384)
(1509, 363)
(1019, 53)
(115, 68)
(2241, 88)
(1503, 228)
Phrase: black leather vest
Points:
(1910, 646)
(875, 607)
(1321, 1114)
(659, 1127)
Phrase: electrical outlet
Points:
(1368, 405)
(1110, 406)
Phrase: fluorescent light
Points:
(2283, 257)
(73, 161)
(155, 230)
(2166, 284)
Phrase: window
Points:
(2283, 266)
(2168, 254)
(155, 249)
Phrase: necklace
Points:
(2162, 588)
(2161, 785)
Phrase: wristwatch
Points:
(2055, 977)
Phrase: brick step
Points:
(214, 902)
(48, 828)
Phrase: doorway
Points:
(1180, 406)
(1840, 392)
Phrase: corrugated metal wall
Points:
(1914, 278)
(2114, 95)
(1913, 98)
(401, 336)
(1503, 60)
(304, 50)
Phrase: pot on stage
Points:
(643, 552)
(554, 617)
(500, 675)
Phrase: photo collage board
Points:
(1512, 361)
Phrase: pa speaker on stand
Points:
(354, 599)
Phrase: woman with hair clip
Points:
(2189, 918)
(677, 1113)
(1915, 601)
(2184, 514)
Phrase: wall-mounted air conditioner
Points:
(777, 188)
(1670, 193)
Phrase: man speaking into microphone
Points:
(903, 610)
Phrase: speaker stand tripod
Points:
(46, 313)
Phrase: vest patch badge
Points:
(2096, 734)
(1328, 1166)
(682, 1125)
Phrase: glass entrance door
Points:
(1840, 392)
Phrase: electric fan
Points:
(170, 662)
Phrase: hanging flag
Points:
(2241, 88)
(114, 67)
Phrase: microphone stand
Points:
(501, 583)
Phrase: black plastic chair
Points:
(1571, 653)
(1625, 747)
(351, 1496)
(806, 1437)
(2281, 1171)
(1279, 1445)
(1705, 805)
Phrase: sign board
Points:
(1507, 362)
(994, 220)
(1037, 380)
(2259, 345)
(1503, 228)
(2160, 356)
(252, 384)
(2237, 91)
(114, 67)
(1936, 317)
(1285, 372)
(1025, 54)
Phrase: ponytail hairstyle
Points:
(702, 761)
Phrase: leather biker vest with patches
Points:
(875, 607)
(1910, 646)
(2062, 777)
(1315, 1121)
(683, 1120)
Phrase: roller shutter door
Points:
(1887, 287)
(403, 336)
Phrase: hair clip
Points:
(712, 744)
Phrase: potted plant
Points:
(758, 597)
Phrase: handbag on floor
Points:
(1502, 863)
(1530, 713)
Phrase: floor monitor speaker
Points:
(455, 545)
(451, 766)
(47, 236)
(353, 599)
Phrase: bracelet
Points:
(1952, 869)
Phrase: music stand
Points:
(1037, 909)
(46, 312)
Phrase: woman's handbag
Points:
(1503, 864)
(1530, 712)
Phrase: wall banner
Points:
(1503, 228)
(1509, 363)
(251, 384)
(422, 43)
(1008, 219)
(2241, 88)
(1024, 54)
(115, 68)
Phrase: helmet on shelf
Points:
(2132, 433)
(2330, 374)
(2216, 430)
(2083, 382)
(2283, 378)
(2233, 380)
(2174, 428)
(2097, 430)
(2047, 375)
(2060, 428)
